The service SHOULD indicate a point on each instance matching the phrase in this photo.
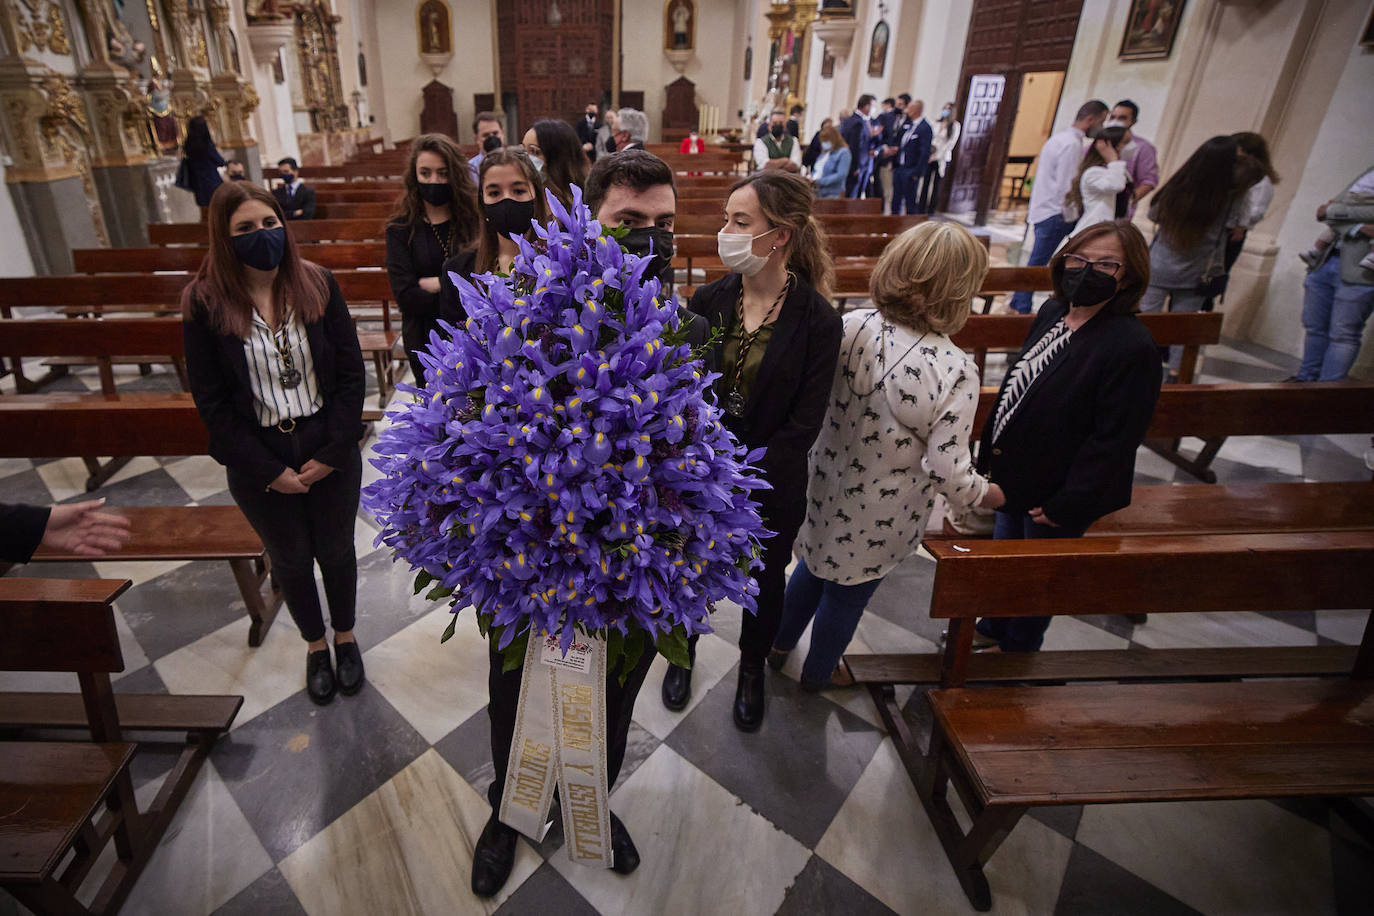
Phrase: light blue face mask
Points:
(538, 164)
(826, 145)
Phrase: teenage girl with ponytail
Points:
(779, 347)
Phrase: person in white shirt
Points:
(942, 144)
(1058, 164)
(1095, 196)
(777, 149)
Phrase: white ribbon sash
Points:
(560, 738)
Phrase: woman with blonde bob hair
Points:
(896, 433)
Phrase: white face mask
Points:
(737, 251)
(1115, 123)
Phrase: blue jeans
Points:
(1021, 634)
(1049, 232)
(1333, 315)
(836, 609)
(904, 182)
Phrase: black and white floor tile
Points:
(371, 805)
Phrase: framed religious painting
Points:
(877, 50)
(1150, 29)
(827, 65)
(433, 21)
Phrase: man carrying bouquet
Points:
(632, 189)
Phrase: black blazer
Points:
(1070, 447)
(451, 305)
(788, 401)
(303, 200)
(21, 531)
(218, 372)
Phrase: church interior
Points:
(1246, 564)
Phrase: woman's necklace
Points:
(884, 332)
(734, 401)
(443, 243)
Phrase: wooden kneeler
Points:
(65, 801)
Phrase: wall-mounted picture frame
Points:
(1150, 29)
(877, 50)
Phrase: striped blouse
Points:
(1038, 358)
(273, 401)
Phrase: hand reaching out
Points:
(82, 529)
(288, 481)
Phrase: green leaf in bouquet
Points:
(513, 656)
(422, 579)
(673, 646)
(634, 651)
(448, 630)
(439, 591)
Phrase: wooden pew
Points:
(159, 294)
(106, 342)
(64, 802)
(305, 230)
(335, 256)
(346, 194)
(1164, 510)
(338, 210)
(130, 425)
(1278, 409)
(199, 533)
(837, 223)
(714, 204)
(1006, 749)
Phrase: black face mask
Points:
(261, 248)
(660, 241)
(1085, 287)
(777, 131)
(491, 143)
(437, 194)
(288, 177)
(510, 217)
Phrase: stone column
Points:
(47, 132)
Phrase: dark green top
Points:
(752, 360)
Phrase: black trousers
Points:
(930, 189)
(504, 690)
(300, 530)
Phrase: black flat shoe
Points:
(624, 855)
(350, 667)
(319, 677)
(777, 658)
(749, 698)
(494, 856)
(677, 688)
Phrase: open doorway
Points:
(1031, 126)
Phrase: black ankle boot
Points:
(319, 677)
(749, 696)
(349, 662)
(624, 855)
(677, 683)
(493, 857)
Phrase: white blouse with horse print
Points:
(897, 431)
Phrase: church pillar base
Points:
(136, 195)
(1248, 285)
(55, 218)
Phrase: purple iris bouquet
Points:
(564, 469)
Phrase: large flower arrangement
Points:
(564, 470)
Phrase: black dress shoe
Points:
(350, 667)
(493, 857)
(749, 697)
(319, 677)
(624, 855)
(677, 688)
(777, 658)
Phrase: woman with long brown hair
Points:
(1188, 253)
(780, 342)
(557, 155)
(435, 218)
(277, 376)
(510, 198)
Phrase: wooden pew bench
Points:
(1007, 749)
(305, 230)
(128, 426)
(335, 256)
(64, 802)
(199, 533)
(159, 294)
(1165, 510)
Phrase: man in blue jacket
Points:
(913, 155)
(856, 132)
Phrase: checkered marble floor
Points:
(371, 805)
